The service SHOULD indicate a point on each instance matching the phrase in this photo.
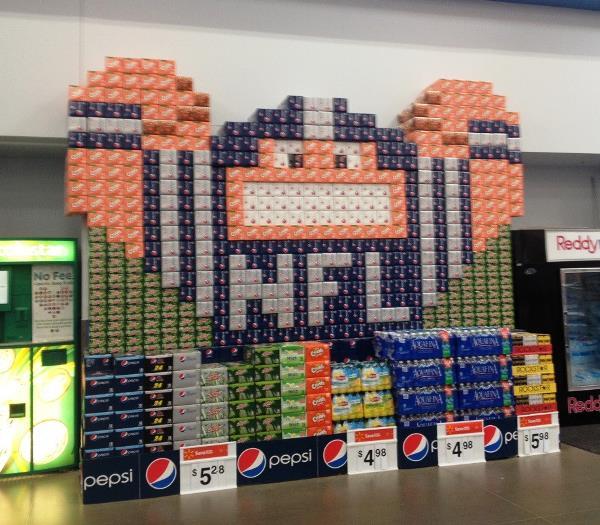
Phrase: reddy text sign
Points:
(572, 245)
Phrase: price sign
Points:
(206, 468)
(460, 443)
(373, 450)
(538, 434)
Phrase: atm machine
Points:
(39, 371)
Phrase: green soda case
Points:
(245, 425)
(240, 409)
(293, 404)
(292, 372)
(242, 438)
(97, 247)
(241, 391)
(97, 235)
(296, 420)
(290, 433)
(268, 406)
(268, 389)
(266, 373)
(293, 387)
(268, 436)
(240, 373)
(290, 354)
(262, 354)
(268, 423)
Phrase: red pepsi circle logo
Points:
(335, 454)
(161, 473)
(415, 447)
(251, 463)
(492, 438)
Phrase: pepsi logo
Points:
(415, 447)
(251, 463)
(161, 473)
(93, 419)
(492, 438)
(334, 454)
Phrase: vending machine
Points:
(39, 377)
(557, 291)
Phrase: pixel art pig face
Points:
(306, 222)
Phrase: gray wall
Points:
(32, 196)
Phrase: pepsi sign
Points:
(332, 455)
(500, 438)
(110, 479)
(417, 447)
(159, 474)
(273, 461)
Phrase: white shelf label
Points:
(460, 443)
(205, 468)
(373, 450)
(539, 434)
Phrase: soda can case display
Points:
(204, 241)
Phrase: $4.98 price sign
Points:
(208, 467)
(460, 443)
(372, 450)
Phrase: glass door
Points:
(581, 312)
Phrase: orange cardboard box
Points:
(266, 145)
(184, 143)
(97, 203)
(115, 234)
(132, 96)
(422, 138)
(115, 219)
(97, 187)
(113, 157)
(151, 141)
(193, 129)
(78, 93)
(76, 172)
(150, 111)
(134, 235)
(166, 98)
(149, 66)
(76, 188)
(114, 189)
(113, 64)
(133, 81)
(75, 205)
(184, 84)
(131, 65)
(96, 94)
(512, 118)
(148, 82)
(133, 220)
(97, 156)
(159, 127)
(97, 172)
(200, 143)
(185, 98)
(368, 163)
(114, 204)
(131, 189)
(166, 83)
(167, 113)
(96, 79)
(318, 147)
(201, 99)
(149, 97)
(368, 149)
(113, 80)
(166, 67)
(132, 158)
(134, 251)
(197, 113)
(76, 157)
(96, 219)
(132, 204)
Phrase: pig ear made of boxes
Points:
(307, 222)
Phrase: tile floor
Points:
(554, 489)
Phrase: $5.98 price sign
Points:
(538, 434)
(460, 443)
(372, 450)
(208, 467)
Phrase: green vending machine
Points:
(39, 371)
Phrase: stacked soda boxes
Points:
(446, 375)
(139, 205)
(362, 396)
(533, 373)
(289, 394)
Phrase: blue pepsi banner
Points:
(273, 461)
(110, 479)
(417, 447)
(593, 5)
(160, 474)
(332, 455)
(500, 438)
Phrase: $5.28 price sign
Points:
(372, 450)
(208, 467)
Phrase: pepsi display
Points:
(417, 448)
(332, 455)
(159, 474)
